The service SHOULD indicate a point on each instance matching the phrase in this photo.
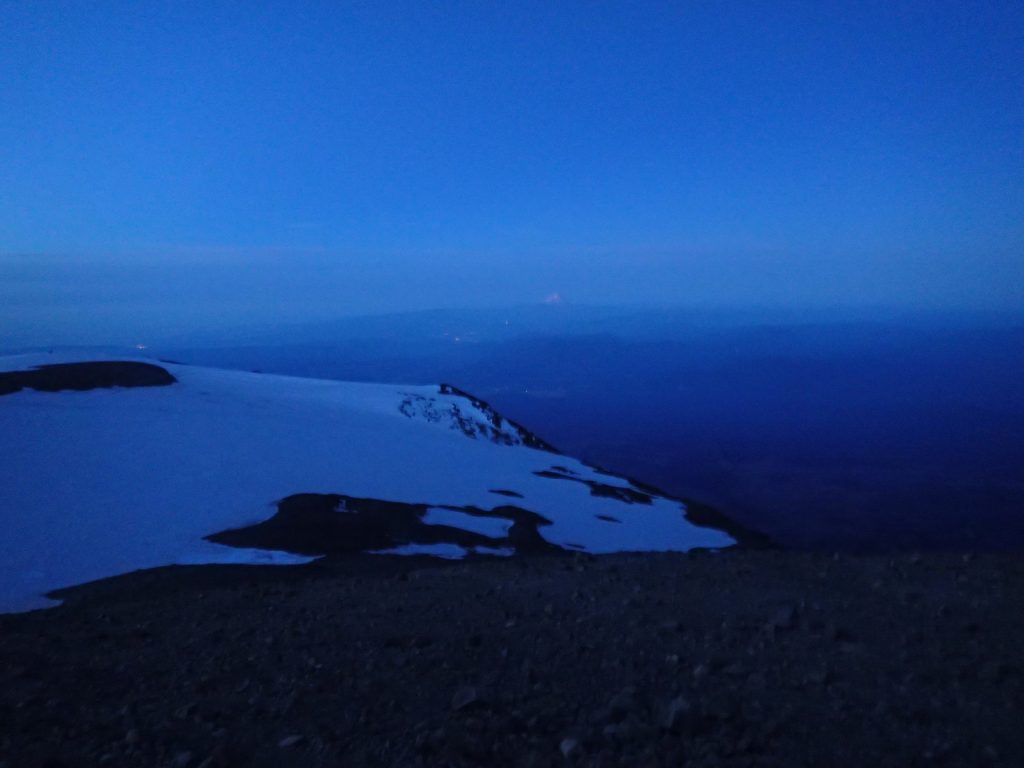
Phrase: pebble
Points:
(464, 697)
(562, 696)
(783, 618)
(676, 714)
(570, 748)
(621, 705)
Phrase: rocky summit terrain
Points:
(737, 658)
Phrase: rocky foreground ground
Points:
(730, 659)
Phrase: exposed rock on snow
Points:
(131, 474)
(84, 376)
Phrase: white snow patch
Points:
(495, 527)
(495, 551)
(224, 555)
(444, 550)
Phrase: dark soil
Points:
(85, 376)
(740, 658)
(333, 524)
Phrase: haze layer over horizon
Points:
(190, 164)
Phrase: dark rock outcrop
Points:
(85, 376)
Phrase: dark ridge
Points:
(608, 518)
(710, 517)
(627, 495)
(85, 376)
(699, 513)
(334, 524)
(529, 439)
(504, 492)
(696, 512)
(553, 475)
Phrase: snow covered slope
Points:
(142, 461)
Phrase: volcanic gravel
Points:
(737, 658)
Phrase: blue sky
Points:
(399, 155)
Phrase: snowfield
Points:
(101, 482)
